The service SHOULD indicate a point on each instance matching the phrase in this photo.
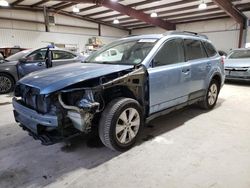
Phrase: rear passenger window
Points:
(194, 49)
(59, 55)
(172, 52)
(210, 49)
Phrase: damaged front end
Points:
(76, 109)
(82, 113)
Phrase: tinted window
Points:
(210, 49)
(62, 55)
(172, 52)
(37, 55)
(194, 49)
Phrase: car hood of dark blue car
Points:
(54, 79)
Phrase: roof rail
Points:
(186, 33)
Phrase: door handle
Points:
(185, 71)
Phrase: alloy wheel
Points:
(127, 125)
(212, 94)
(5, 84)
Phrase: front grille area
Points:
(32, 99)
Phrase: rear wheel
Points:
(6, 83)
(120, 124)
(212, 95)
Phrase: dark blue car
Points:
(22, 63)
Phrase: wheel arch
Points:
(7, 73)
(116, 92)
(218, 78)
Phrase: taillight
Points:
(222, 60)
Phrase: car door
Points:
(33, 62)
(169, 76)
(200, 64)
(60, 57)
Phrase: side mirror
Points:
(23, 60)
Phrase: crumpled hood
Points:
(237, 63)
(53, 79)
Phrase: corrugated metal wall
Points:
(67, 30)
(224, 33)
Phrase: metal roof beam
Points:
(39, 3)
(65, 6)
(131, 12)
(229, 8)
(16, 2)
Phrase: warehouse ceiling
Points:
(135, 14)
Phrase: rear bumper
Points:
(31, 119)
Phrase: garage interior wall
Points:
(224, 33)
(67, 30)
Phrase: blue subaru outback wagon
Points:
(119, 88)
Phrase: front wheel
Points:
(212, 95)
(120, 124)
(6, 83)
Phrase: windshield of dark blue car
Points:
(125, 52)
(17, 56)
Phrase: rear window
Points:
(194, 49)
(239, 54)
(57, 55)
(210, 49)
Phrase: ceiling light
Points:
(76, 9)
(4, 3)
(153, 15)
(116, 21)
(202, 5)
(114, 0)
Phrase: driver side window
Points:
(38, 55)
(171, 52)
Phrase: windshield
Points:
(239, 54)
(18, 55)
(123, 52)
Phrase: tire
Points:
(211, 96)
(7, 83)
(116, 131)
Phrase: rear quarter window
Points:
(210, 49)
(194, 49)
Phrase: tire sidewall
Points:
(218, 90)
(12, 83)
(118, 112)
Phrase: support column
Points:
(241, 35)
(99, 30)
(46, 21)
